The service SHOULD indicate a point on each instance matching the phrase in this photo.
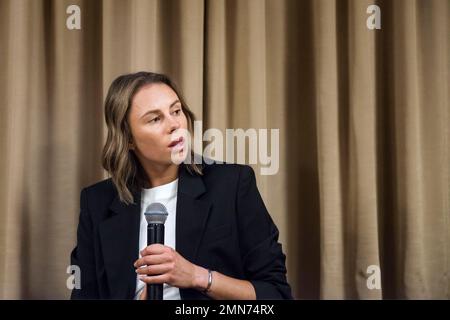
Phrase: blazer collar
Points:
(119, 234)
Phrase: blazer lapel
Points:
(119, 236)
(192, 214)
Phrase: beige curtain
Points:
(363, 116)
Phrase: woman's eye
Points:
(154, 120)
(177, 112)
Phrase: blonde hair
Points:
(118, 160)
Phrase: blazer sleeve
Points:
(83, 254)
(262, 255)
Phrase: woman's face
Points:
(155, 119)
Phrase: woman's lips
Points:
(176, 142)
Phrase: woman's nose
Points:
(174, 124)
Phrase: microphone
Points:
(156, 215)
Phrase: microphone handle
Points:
(155, 234)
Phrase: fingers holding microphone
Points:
(161, 264)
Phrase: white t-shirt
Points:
(167, 195)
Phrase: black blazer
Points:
(221, 224)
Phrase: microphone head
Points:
(156, 213)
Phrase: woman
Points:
(220, 241)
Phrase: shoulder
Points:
(226, 175)
(226, 170)
(103, 191)
(96, 199)
(101, 187)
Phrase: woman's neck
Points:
(159, 175)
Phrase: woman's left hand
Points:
(162, 264)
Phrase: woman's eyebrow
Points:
(159, 110)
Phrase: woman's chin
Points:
(177, 156)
